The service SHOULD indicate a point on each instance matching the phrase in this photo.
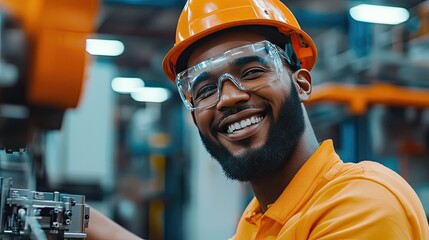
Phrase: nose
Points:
(230, 95)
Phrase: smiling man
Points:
(242, 68)
(255, 106)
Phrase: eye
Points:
(205, 91)
(252, 73)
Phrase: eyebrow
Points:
(248, 59)
(200, 78)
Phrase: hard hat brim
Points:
(173, 55)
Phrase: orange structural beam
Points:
(359, 97)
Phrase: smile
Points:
(244, 123)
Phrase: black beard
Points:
(281, 141)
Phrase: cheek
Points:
(203, 120)
(280, 87)
(276, 97)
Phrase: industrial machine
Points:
(42, 73)
(27, 214)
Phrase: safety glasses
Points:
(249, 67)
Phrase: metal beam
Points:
(360, 97)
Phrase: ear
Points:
(303, 84)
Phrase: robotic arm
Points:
(42, 67)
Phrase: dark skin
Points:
(268, 188)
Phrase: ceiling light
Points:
(379, 14)
(103, 47)
(126, 85)
(151, 94)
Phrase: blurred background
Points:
(131, 147)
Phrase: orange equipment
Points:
(48, 57)
(358, 98)
(56, 31)
(202, 18)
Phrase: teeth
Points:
(243, 123)
(252, 120)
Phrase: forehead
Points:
(221, 43)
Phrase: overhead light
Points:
(379, 14)
(126, 85)
(102, 47)
(151, 94)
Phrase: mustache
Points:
(227, 113)
(232, 111)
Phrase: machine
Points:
(27, 214)
(42, 74)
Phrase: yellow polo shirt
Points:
(329, 199)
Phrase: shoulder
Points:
(370, 176)
(372, 185)
(359, 192)
(364, 199)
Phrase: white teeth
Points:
(231, 129)
(243, 123)
(252, 120)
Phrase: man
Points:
(242, 68)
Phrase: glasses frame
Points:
(274, 51)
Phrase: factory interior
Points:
(128, 144)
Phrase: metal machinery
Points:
(29, 214)
(42, 68)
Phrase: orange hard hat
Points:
(201, 18)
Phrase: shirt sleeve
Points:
(355, 209)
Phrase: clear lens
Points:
(249, 67)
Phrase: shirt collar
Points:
(303, 184)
